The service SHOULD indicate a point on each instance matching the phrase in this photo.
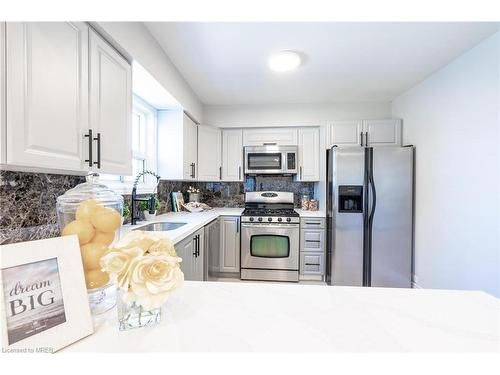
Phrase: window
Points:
(144, 151)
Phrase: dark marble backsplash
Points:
(28, 204)
(232, 194)
(28, 200)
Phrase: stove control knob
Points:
(251, 219)
(288, 219)
(269, 219)
(280, 219)
(260, 219)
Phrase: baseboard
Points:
(415, 285)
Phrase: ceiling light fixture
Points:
(284, 61)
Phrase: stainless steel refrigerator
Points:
(370, 216)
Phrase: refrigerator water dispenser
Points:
(350, 199)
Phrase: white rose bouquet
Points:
(145, 267)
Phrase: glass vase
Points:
(131, 315)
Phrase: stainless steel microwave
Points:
(271, 159)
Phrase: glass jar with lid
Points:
(304, 202)
(93, 213)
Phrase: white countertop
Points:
(266, 317)
(306, 213)
(196, 220)
(193, 220)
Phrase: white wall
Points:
(292, 114)
(137, 41)
(453, 120)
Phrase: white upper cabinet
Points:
(232, 155)
(345, 133)
(177, 146)
(47, 95)
(209, 153)
(190, 140)
(382, 132)
(309, 154)
(2, 92)
(365, 133)
(270, 136)
(110, 108)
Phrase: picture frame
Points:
(44, 303)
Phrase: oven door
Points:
(270, 246)
(264, 161)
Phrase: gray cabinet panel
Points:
(230, 244)
(192, 260)
(212, 246)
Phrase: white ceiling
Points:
(226, 63)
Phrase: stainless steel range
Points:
(270, 230)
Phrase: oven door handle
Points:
(266, 225)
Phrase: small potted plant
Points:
(144, 207)
(194, 194)
(126, 211)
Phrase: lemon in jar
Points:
(105, 219)
(104, 238)
(85, 209)
(84, 230)
(92, 254)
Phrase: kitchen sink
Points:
(160, 226)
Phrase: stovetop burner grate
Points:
(270, 212)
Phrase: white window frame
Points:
(124, 184)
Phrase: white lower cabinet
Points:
(312, 248)
(230, 244)
(191, 250)
(309, 154)
(209, 153)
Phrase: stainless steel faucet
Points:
(151, 199)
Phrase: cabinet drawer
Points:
(312, 240)
(311, 263)
(312, 223)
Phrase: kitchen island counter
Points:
(267, 317)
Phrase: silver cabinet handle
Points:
(220, 173)
(239, 172)
(269, 144)
(192, 170)
(366, 139)
(300, 169)
(361, 138)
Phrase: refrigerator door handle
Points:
(374, 198)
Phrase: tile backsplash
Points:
(28, 200)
